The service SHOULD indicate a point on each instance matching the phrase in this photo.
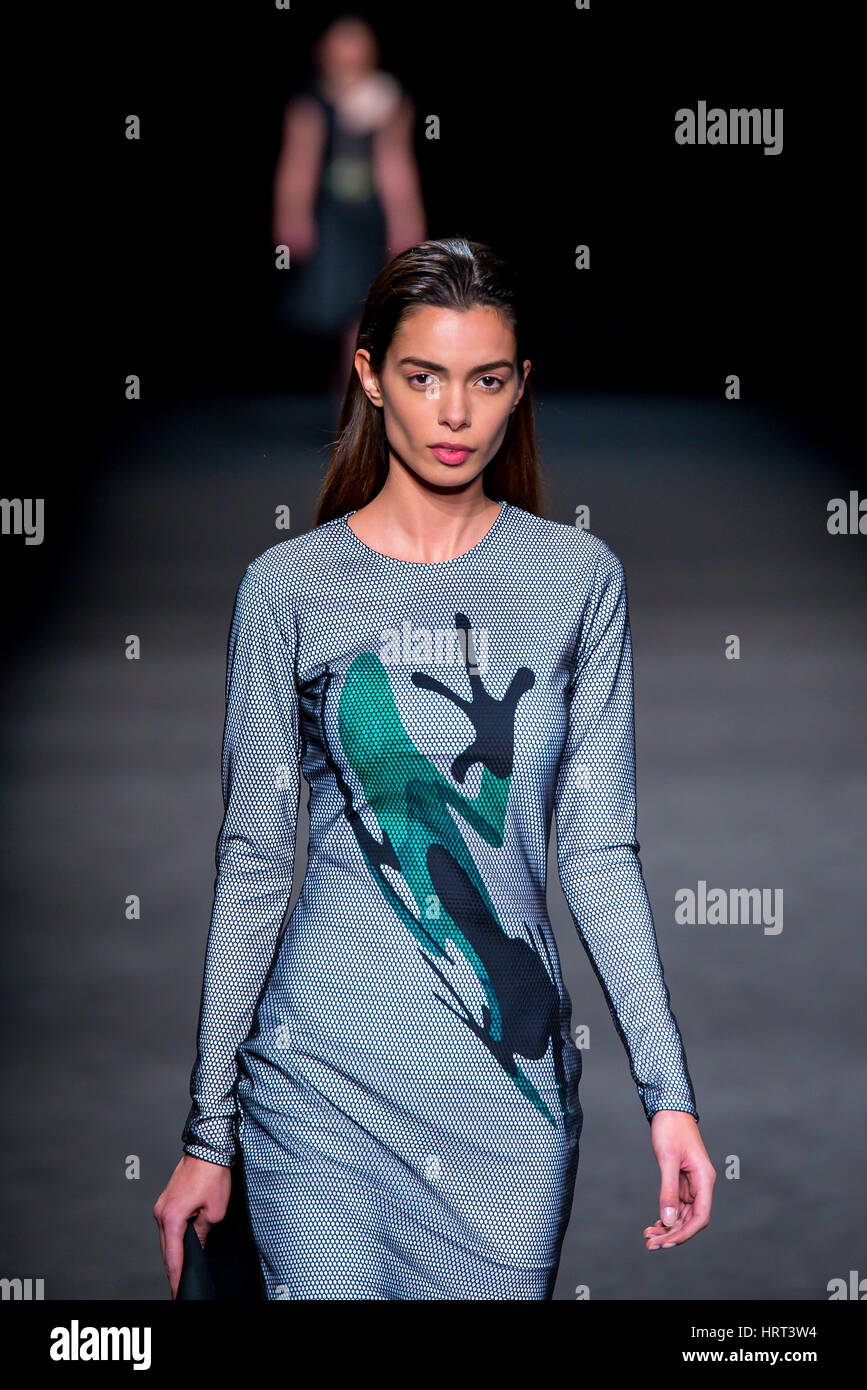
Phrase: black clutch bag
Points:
(227, 1267)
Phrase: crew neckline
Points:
(496, 525)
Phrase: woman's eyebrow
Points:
(438, 367)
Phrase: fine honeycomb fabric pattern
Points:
(396, 1066)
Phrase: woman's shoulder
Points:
(310, 92)
(287, 569)
(565, 543)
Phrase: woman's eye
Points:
(495, 380)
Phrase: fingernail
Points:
(668, 1215)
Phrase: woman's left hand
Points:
(688, 1177)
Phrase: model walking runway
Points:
(404, 1084)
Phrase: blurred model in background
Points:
(346, 187)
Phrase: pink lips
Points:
(455, 456)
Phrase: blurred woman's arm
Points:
(296, 177)
(396, 178)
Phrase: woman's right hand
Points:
(299, 232)
(197, 1191)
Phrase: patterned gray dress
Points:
(397, 1065)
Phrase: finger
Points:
(680, 1211)
(700, 1182)
(174, 1258)
(669, 1190)
(659, 1228)
(659, 1231)
(704, 1180)
(201, 1227)
(159, 1222)
(662, 1227)
(690, 1228)
(664, 1238)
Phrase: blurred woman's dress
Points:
(325, 292)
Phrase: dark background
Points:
(155, 258)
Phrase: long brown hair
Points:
(451, 274)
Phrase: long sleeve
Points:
(597, 848)
(254, 858)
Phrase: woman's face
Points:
(449, 377)
(347, 49)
